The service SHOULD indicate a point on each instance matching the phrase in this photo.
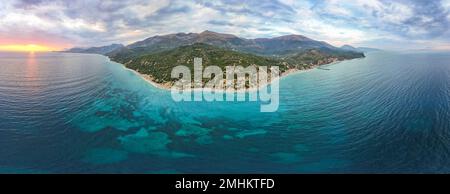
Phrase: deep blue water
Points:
(79, 113)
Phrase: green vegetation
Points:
(160, 64)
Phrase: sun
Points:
(25, 48)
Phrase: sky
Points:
(394, 25)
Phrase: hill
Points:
(359, 49)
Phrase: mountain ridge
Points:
(280, 45)
(358, 49)
(276, 46)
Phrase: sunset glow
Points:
(26, 48)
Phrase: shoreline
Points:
(149, 79)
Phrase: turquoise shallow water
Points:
(80, 113)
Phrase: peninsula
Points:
(155, 57)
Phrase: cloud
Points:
(380, 23)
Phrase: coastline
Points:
(149, 79)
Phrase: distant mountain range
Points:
(157, 55)
(278, 46)
(359, 49)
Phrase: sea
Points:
(82, 113)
